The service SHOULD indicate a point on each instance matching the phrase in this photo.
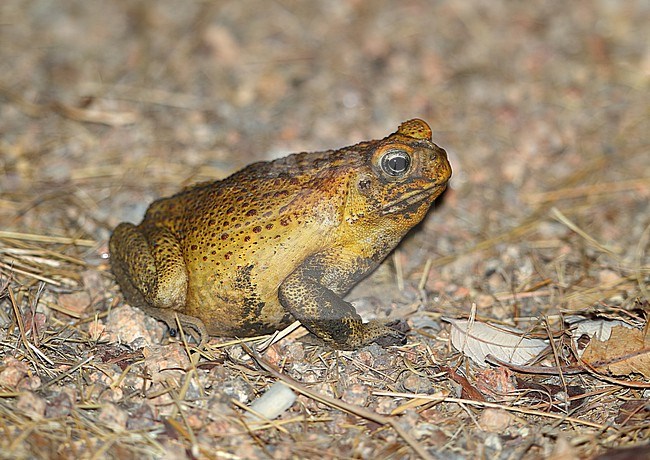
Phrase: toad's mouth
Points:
(412, 198)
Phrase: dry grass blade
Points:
(642, 185)
(95, 116)
(46, 265)
(12, 269)
(643, 271)
(74, 113)
(151, 95)
(471, 402)
(591, 240)
(580, 297)
(46, 238)
(69, 372)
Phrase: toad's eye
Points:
(396, 163)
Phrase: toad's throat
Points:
(411, 198)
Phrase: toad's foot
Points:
(191, 325)
(386, 333)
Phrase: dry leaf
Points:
(598, 329)
(626, 351)
(477, 340)
(634, 411)
(469, 391)
(496, 383)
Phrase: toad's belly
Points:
(236, 293)
(235, 305)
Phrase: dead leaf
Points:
(468, 391)
(477, 340)
(496, 383)
(627, 351)
(634, 411)
(598, 329)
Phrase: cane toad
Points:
(282, 240)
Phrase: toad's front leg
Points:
(312, 294)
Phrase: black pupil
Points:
(396, 164)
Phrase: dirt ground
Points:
(544, 109)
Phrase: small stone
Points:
(141, 418)
(14, 371)
(114, 417)
(608, 277)
(163, 362)
(31, 405)
(96, 330)
(356, 395)
(417, 384)
(59, 405)
(495, 420)
(126, 324)
(76, 302)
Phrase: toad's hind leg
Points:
(153, 276)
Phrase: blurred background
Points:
(521, 94)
